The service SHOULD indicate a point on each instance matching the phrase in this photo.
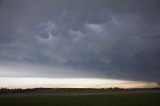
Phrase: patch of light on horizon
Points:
(11, 82)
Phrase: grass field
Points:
(117, 99)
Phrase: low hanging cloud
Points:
(107, 38)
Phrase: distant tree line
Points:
(15, 91)
(70, 90)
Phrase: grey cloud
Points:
(113, 39)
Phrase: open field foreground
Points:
(79, 99)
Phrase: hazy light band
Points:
(71, 83)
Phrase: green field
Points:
(117, 99)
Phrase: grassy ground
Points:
(122, 99)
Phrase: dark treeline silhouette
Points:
(72, 90)
(15, 91)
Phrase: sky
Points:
(94, 40)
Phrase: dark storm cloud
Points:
(114, 39)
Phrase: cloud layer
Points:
(113, 39)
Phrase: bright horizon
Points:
(12, 82)
(35, 76)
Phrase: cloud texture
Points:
(107, 38)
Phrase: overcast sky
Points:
(117, 39)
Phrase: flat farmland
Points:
(82, 99)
